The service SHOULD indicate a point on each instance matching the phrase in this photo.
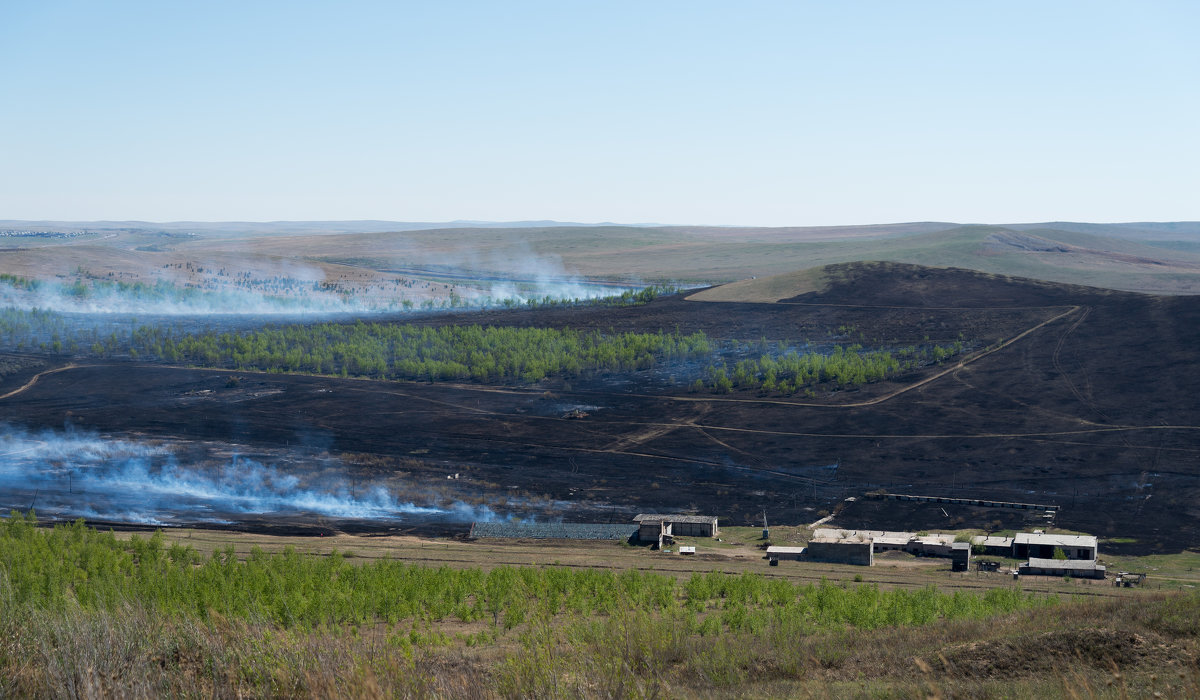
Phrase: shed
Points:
(679, 525)
(785, 553)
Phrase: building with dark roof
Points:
(653, 526)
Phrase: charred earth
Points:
(1073, 396)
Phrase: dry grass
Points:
(1090, 650)
(767, 290)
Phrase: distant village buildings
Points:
(1046, 555)
(653, 528)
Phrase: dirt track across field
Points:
(1077, 397)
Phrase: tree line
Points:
(845, 367)
(406, 351)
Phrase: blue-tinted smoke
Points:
(69, 474)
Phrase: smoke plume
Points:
(70, 474)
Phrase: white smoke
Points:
(70, 474)
(457, 279)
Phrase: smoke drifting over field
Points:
(286, 288)
(70, 474)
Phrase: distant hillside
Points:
(1161, 258)
(903, 284)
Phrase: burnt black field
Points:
(1072, 396)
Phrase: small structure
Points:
(843, 551)
(1129, 579)
(656, 531)
(658, 528)
(960, 556)
(1038, 545)
(776, 553)
(687, 549)
(987, 565)
(1075, 568)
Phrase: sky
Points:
(752, 113)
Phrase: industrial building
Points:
(923, 545)
(661, 528)
(838, 551)
(1038, 545)
(996, 546)
(1075, 568)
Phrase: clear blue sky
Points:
(768, 113)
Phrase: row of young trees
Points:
(390, 351)
(845, 367)
(71, 567)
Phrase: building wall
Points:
(650, 531)
(788, 556)
(859, 553)
(693, 529)
(1046, 551)
(1027, 570)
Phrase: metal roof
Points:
(1064, 564)
(699, 519)
(844, 534)
(785, 550)
(1055, 540)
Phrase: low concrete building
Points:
(1038, 545)
(882, 540)
(779, 553)
(1076, 568)
(653, 531)
(861, 553)
(891, 542)
(935, 545)
(680, 525)
(996, 546)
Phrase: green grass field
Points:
(189, 613)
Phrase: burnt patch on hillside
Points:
(1077, 397)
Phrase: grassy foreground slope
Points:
(83, 613)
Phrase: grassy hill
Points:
(1156, 258)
